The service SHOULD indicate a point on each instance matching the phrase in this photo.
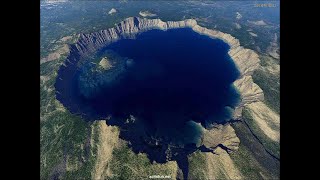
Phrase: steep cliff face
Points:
(89, 43)
(246, 60)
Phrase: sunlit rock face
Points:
(164, 84)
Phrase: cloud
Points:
(258, 23)
(112, 11)
(239, 16)
(146, 14)
(253, 34)
(238, 26)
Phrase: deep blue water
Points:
(174, 72)
(168, 80)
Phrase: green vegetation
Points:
(270, 145)
(251, 158)
(246, 163)
(269, 83)
(125, 164)
(63, 143)
(47, 91)
(197, 165)
(64, 138)
(47, 68)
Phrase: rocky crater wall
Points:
(246, 60)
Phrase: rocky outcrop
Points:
(221, 166)
(250, 93)
(105, 63)
(107, 137)
(246, 60)
(267, 120)
(222, 136)
(56, 54)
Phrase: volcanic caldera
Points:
(163, 89)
